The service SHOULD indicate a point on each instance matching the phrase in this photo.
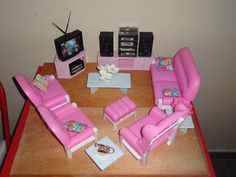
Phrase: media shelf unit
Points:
(127, 63)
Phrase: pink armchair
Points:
(148, 132)
(53, 98)
(184, 77)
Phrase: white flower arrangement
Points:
(106, 71)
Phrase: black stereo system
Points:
(106, 43)
(130, 43)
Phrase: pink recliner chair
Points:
(148, 132)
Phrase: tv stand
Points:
(127, 63)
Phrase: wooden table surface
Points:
(40, 153)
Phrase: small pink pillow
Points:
(164, 63)
(41, 82)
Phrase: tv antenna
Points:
(64, 32)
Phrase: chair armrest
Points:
(128, 136)
(57, 101)
(156, 114)
(149, 132)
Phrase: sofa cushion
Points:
(162, 75)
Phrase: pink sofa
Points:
(184, 77)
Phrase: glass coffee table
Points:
(119, 80)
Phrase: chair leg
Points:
(183, 130)
(172, 137)
(68, 153)
(121, 142)
(96, 136)
(169, 111)
(144, 160)
(114, 126)
(67, 98)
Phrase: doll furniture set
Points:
(53, 104)
(141, 136)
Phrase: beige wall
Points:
(207, 27)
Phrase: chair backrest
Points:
(29, 89)
(55, 125)
(187, 73)
(4, 111)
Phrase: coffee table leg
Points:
(93, 89)
(125, 90)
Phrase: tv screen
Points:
(69, 45)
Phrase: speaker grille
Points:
(145, 44)
(106, 43)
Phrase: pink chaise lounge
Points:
(55, 109)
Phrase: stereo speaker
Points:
(145, 44)
(106, 43)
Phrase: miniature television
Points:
(69, 45)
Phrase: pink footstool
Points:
(119, 110)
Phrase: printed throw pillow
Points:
(164, 63)
(41, 82)
(74, 126)
(170, 92)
